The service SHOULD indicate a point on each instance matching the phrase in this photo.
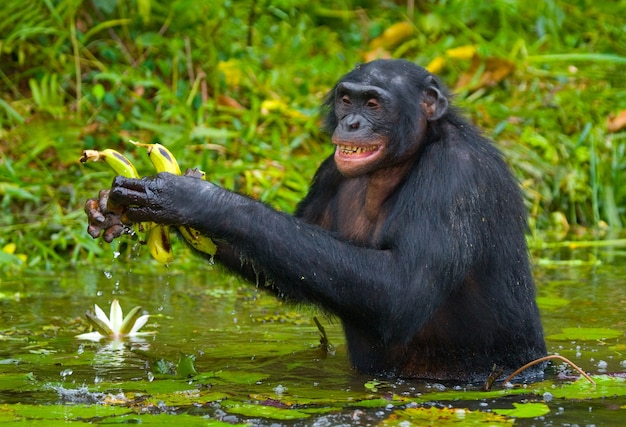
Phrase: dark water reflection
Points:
(234, 328)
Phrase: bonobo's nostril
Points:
(352, 122)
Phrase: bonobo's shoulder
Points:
(323, 188)
(327, 173)
(464, 140)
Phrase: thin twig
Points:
(543, 359)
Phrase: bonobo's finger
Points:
(136, 184)
(113, 232)
(121, 196)
(143, 214)
(103, 197)
(94, 211)
(128, 191)
(94, 231)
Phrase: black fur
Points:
(442, 289)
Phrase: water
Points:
(258, 361)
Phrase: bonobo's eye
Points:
(346, 100)
(372, 103)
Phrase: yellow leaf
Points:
(272, 105)
(462, 52)
(9, 248)
(436, 65)
(376, 53)
(277, 106)
(485, 73)
(393, 35)
(231, 70)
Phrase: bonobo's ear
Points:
(434, 103)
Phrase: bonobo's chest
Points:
(356, 215)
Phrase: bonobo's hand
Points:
(104, 218)
(165, 198)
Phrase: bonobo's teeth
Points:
(353, 149)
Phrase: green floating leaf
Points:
(443, 417)
(586, 334)
(548, 303)
(169, 420)
(16, 381)
(187, 398)
(251, 410)
(241, 377)
(605, 386)
(62, 413)
(525, 410)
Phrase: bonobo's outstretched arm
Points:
(303, 261)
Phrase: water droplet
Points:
(108, 274)
(66, 372)
(280, 389)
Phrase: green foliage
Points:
(233, 87)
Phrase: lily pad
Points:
(586, 334)
(605, 386)
(241, 377)
(60, 413)
(263, 411)
(550, 303)
(443, 417)
(525, 410)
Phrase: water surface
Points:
(259, 362)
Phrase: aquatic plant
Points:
(116, 326)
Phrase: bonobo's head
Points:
(380, 113)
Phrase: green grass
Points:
(234, 88)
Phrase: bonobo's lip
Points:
(353, 159)
(358, 150)
(355, 152)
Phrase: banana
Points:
(159, 241)
(164, 161)
(159, 244)
(198, 241)
(162, 158)
(158, 236)
(116, 160)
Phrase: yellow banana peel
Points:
(164, 161)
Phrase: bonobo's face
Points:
(380, 114)
(361, 135)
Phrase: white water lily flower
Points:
(116, 326)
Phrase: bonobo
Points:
(412, 232)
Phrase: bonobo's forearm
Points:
(300, 258)
(230, 257)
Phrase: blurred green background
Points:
(234, 88)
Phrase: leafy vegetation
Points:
(233, 87)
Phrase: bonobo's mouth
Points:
(353, 160)
(351, 150)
